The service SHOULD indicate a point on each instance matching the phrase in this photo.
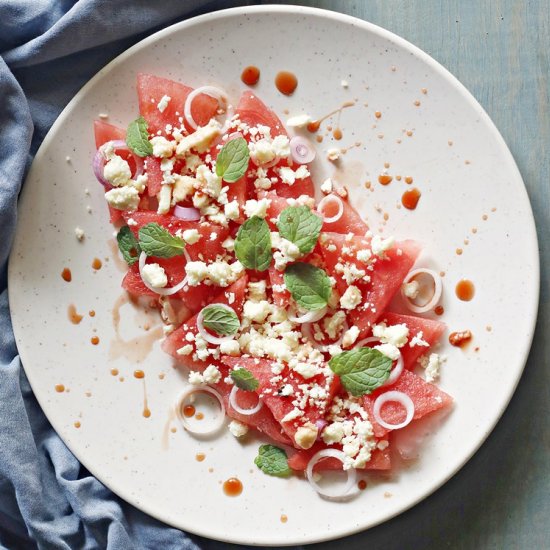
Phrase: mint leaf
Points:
(128, 245)
(157, 241)
(309, 285)
(253, 244)
(301, 226)
(221, 320)
(137, 138)
(272, 461)
(244, 379)
(361, 370)
(232, 161)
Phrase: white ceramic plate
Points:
(140, 458)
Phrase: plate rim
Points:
(437, 67)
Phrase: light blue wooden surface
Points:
(500, 52)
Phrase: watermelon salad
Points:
(276, 302)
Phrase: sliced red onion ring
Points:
(331, 199)
(236, 407)
(210, 338)
(438, 289)
(98, 163)
(396, 397)
(187, 213)
(219, 95)
(306, 331)
(309, 317)
(396, 371)
(162, 291)
(302, 150)
(182, 400)
(335, 493)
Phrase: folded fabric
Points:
(48, 50)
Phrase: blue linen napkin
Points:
(48, 50)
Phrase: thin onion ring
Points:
(309, 317)
(162, 291)
(331, 495)
(211, 339)
(326, 200)
(219, 95)
(187, 213)
(396, 397)
(237, 408)
(438, 289)
(395, 373)
(180, 403)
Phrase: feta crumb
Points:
(389, 350)
(212, 375)
(411, 290)
(350, 336)
(364, 255)
(351, 298)
(306, 370)
(185, 350)
(292, 415)
(200, 139)
(79, 233)
(165, 198)
(327, 186)
(418, 340)
(256, 311)
(183, 188)
(117, 171)
(333, 433)
(286, 390)
(163, 103)
(196, 378)
(306, 435)
(123, 198)
(154, 275)
(396, 335)
(257, 207)
(196, 272)
(231, 210)
(230, 347)
(379, 245)
(344, 84)
(298, 121)
(191, 236)
(257, 290)
(209, 182)
(333, 154)
(238, 429)
(162, 148)
(432, 365)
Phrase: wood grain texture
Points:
(500, 52)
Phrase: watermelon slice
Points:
(151, 89)
(349, 222)
(386, 275)
(104, 132)
(233, 296)
(426, 397)
(280, 405)
(380, 460)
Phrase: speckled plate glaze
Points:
(473, 199)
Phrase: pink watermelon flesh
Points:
(279, 405)
(386, 276)
(151, 89)
(426, 397)
(349, 222)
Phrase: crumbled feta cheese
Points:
(196, 272)
(306, 370)
(411, 290)
(162, 148)
(209, 182)
(231, 210)
(380, 246)
(123, 198)
(79, 233)
(230, 347)
(292, 415)
(256, 311)
(389, 350)
(211, 374)
(333, 324)
(286, 252)
(183, 188)
(163, 103)
(229, 244)
(333, 154)
(261, 151)
(306, 435)
(350, 272)
(432, 364)
(191, 236)
(185, 350)
(257, 290)
(238, 429)
(333, 433)
(327, 186)
(286, 390)
(200, 139)
(196, 378)
(154, 275)
(418, 340)
(165, 198)
(344, 83)
(298, 121)
(350, 336)
(256, 207)
(396, 335)
(351, 298)
(281, 146)
(117, 171)
(363, 255)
